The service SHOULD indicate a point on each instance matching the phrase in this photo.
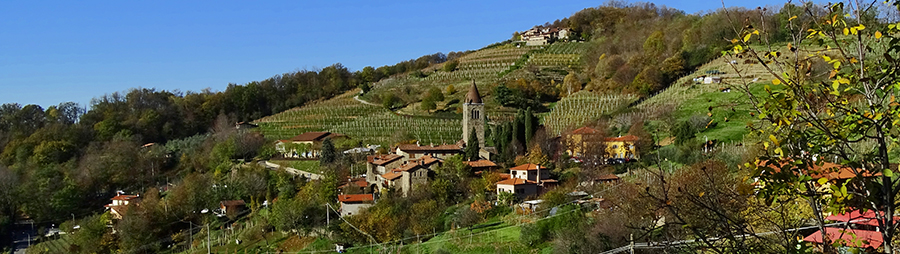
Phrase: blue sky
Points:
(56, 51)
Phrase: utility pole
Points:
(327, 215)
(191, 244)
(631, 243)
(208, 250)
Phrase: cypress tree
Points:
(472, 147)
(529, 126)
(328, 154)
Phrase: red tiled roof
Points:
(392, 175)
(505, 176)
(828, 170)
(381, 160)
(866, 218)
(359, 182)
(355, 198)
(849, 237)
(608, 177)
(125, 197)
(515, 181)
(585, 130)
(481, 164)
(528, 167)
(436, 148)
(626, 138)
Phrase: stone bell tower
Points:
(473, 115)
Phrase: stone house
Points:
(353, 204)
(410, 174)
(413, 151)
(377, 165)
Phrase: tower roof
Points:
(473, 96)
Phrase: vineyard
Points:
(316, 117)
(381, 128)
(582, 107)
(370, 124)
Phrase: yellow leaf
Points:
(792, 18)
(860, 27)
(846, 31)
(756, 32)
(747, 37)
(776, 81)
(701, 194)
(877, 34)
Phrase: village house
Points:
(482, 165)
(527, 180)
(354, 203)
(622, 147)
(409, 175)
(305, 145)
(377, 165)
(581, 141)
(542, 36)
(413, 151)
(120, 203)
(357, 185)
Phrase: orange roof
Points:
(355, 198)
(528, 167)
(481, 164)
(392, 175)
(505, 176)
(849, 237)
(381, 160)
(608, 177)
(627, 138)
(125, 197)
(515, 181)
(828, 170)
(359, 182)
(585, 130)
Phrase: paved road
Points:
(20, 238)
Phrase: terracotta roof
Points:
(435, 148)
(238, 202)
(381, 160)
(528, 167)
(359, 182)
(515, 181)
(505, 176)
(473, 96)
(392, 175)
(481, 164)
(624, 138)
(608, 177)
(849, 237)
(352, 198)
(125, 197)
(866, 218)
(828, 170)
(585, 130)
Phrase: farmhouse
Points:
(410, 174)
(120, 203)
(380, 164)
(526, 180)
(352, 204)
(622, 147)
(305, 145)
(542, 36)
(582, 141)
(413, 151)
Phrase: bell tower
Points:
(473, 115)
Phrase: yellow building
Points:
(622, 147)
(581, 141)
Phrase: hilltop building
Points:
(542, 36)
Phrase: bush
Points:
(450, 66)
